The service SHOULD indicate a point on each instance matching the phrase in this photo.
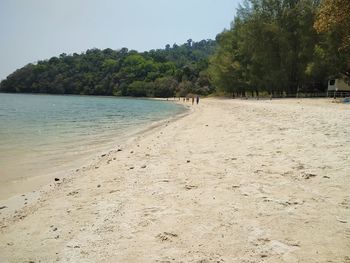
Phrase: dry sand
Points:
(234, 181)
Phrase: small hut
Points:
(338, 88)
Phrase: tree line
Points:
(283, 47)
(177, 69)
(274, 47)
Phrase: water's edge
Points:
(34, 185)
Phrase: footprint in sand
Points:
(164, 261)
(166, 236)
(307, 176)
(345, 203)
(190, 187)
(73, 193)
(347, 233)
(346, 259)
(150, 210)
(145, 223)
(210, 260)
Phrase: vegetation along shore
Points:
(280, 48)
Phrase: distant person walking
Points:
(197, 99)
(192, 100)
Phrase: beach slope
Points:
(234, 181)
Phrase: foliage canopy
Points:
(283, 47)
(157, 73)
(279, 47)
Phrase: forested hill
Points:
(180, 69)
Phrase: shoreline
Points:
(45, 183)
(230, 181)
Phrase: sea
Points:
(48, 134)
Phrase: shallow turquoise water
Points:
(46, 131)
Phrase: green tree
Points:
(165, 87)
(139, 88)
(269, 48)
(333, 25)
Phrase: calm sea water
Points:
(43, 133)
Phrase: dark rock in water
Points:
(143, 166)
(103, 155)
(3, 207)
(132, 152)
(55, 229)
(98, 186)
(132, 167)
(188, 161)
(57, 179)
(119, 150)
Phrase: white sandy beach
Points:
(233, 181)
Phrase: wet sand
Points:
(234, 181)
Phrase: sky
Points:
(32, 30)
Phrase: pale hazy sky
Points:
(31, 30)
